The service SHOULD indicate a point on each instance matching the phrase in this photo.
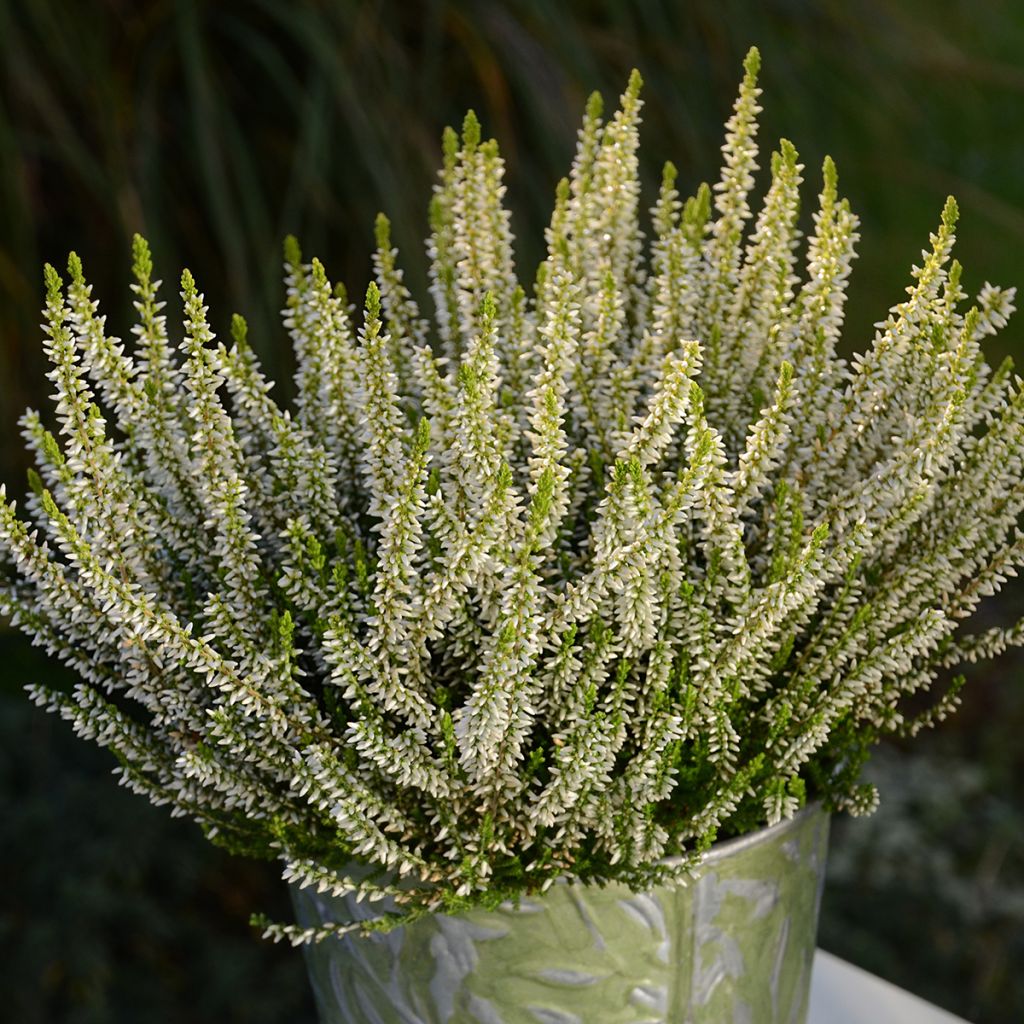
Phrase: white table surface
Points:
(844, 994)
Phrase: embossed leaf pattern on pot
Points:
(735, 945)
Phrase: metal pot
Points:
(732, 946)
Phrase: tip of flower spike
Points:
(35, 482)
(595, 106)
(53, 281)
(49, 505)
(702, 207)
(319, 273)
(705, 443)
(541, 503)
(75, 271)
(142, 258)
(669, 174)
(829, 174)
(372, 302)
(950, 213)
(466, 377)
(188, 282)
(636, 83)
(488, 309)
(470, 131)
(422, 440)
(51, 449)
(292, 252)
(620, 471)
(788, 152)
(436, 213)
(382, 231)
(449, 145)
(752, 64)
(239, 329)
(286, 627)
(971, 321)
(697, 210)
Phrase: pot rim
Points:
(728, 847)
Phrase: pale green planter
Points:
(734, 946)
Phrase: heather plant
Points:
(567, 580)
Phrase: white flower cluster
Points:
(569, 580)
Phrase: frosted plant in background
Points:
(581, 573)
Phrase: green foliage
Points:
(547, 586)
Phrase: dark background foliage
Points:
(216, 128)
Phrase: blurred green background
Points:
(216, 128)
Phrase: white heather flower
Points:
(609, 564)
